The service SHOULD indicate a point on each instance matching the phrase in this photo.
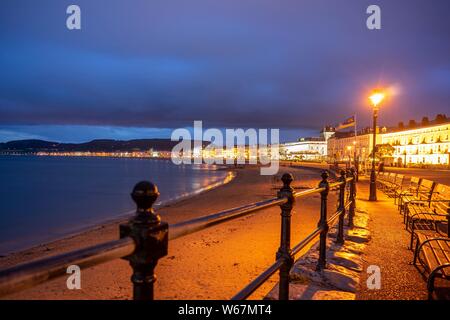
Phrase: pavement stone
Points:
(340, 279)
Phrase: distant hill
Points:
(93, 146)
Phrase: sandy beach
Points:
(212, 264)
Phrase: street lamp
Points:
(375, 99)
(355, 159)
(404, 159)
(349, 152)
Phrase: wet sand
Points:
(211, 264)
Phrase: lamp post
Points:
(375, 99)
(448, 158)
(355, 159)
(349, 155)
(404, 159)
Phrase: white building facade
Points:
(422, 146)
(307, 149)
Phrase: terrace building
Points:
(418, 144)
(421, 144)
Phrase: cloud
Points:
(80, 133)
(9, 135)
(258, 63)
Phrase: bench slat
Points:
(435, 252)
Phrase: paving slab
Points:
(388, 249)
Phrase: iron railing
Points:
(144, 239)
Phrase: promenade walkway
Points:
(388, 250)
(388, 246)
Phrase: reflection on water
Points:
(43, 198)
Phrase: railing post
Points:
(151, 237)
(351, 212)
(323, 222)
(340, 235)
(284, 252)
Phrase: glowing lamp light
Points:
(376, 98)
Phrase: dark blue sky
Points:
(139, 68)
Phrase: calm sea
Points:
(45, 198)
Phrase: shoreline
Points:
(210, 264)
(232, 173)
(94, 225)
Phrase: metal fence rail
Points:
(144, 239)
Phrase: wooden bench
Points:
(433, 253)
(387, 178)
(429, 214)
(390, 179)
(392, 188)
(420, 198)
(382, 178)
(410, 190)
